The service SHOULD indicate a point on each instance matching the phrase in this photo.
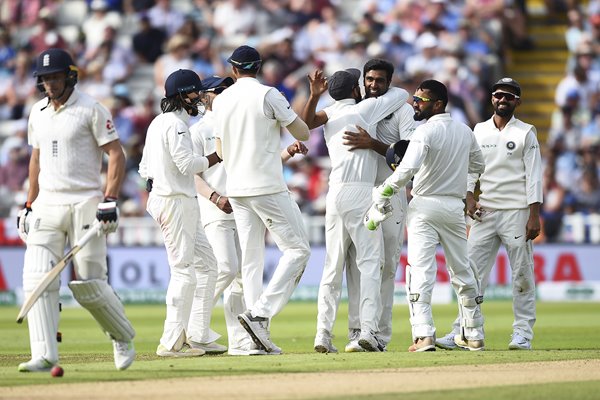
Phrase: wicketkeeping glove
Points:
(375, 216)
(108, 215)
(382, 194)
(22, 222)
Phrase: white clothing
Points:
(250, 137)
(203, 141)
(248, 118)
(351, 179)
(168, 159)
(69, 140)
(513, 173)
(400, 125)
(440, 155)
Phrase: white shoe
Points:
(353, 346)
(323, 342)
(37, 365)
(446, 342)
(518, 342)
(469, 344)
(370, 342)
(184, 351)
(247, 349)
(209, 348)
(258, 329)
(425, 343)
(124, 354)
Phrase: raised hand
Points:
(318, 83)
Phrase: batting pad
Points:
(100, 300)
(43, 316)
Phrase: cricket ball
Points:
(57, 371)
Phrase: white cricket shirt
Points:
(360, 165)
(168, 157)
(203, 140)
(69, 141)
(441, 153)
(400, 125)
(513, 165)
(248, 120)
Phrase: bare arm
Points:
(292, 150)
(298, 129)
(318, 86)
(34, 173)
(207, 192)
(362, 140)
(116, 168)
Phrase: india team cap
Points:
(245, 57)
(182, 81)
(341, 83)
(508, 82)
(214, 82)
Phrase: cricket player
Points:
(351, 179)
(248, 120)
(169, 165)
(399, 125)
(440, 155)
(70, 132)
(219, 224)
(508, 211)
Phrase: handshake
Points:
(381, 208)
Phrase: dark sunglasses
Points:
(419, 99)
(508, 96)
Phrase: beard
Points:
(504, 112)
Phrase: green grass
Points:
(564, 331)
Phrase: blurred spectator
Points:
(148, 41)
(178, 56)
(552, 209)
(7, 53)
(235, 21)
(45, 34)
(587, 193)
(94, 27)
(427, 60)
(163, 16)
(568, 121)
(22, 89)
(92, 81)
(117, 60)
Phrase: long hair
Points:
(170, 104)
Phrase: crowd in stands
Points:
(125, 49)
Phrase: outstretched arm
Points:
(318, 86)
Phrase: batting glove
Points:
(22, 222)
(108, 215)
(375, 216)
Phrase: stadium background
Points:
(126, 48)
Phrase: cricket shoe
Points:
(353, 346)
(246, 349)
(184, 351)
(37, 365)
(258, 329)
(425, 343)
(469, 344)
(370, 342)
(518, 342)
(323, 342)
(124, 354)
(209, 348)
(447, 342)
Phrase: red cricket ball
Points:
(57, 371)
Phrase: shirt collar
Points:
(182, 115)
(346, 101)
(441, 116)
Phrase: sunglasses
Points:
(419, 99)
(508, 96)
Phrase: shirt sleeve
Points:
(411, 162)
(277, 107)
(532, 160)
(374, 109)
(406, 122)
(31, 139)
(180, 148)
(197, 139)
(103, 127)
(476, 161)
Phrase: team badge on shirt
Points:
(110, 126)
(511, 145)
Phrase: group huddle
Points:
(215, 188)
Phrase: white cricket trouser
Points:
(223, 238)
(346, 207)
(393, 238)
(192, 265)
(507, 227)
(280, 214)
(433, 220)
(50, 227)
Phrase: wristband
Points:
(108, 199)
(211, 196)
(217, 202)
